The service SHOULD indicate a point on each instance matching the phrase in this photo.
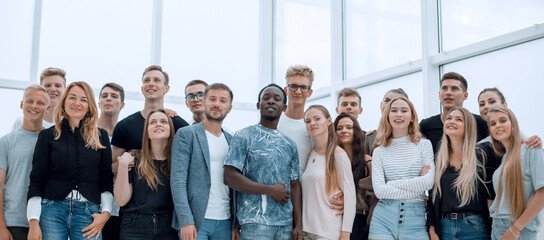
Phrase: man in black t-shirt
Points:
(128, 133)
(453, 92)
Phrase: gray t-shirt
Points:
(264, 156)
(16, 151)
(532, 164)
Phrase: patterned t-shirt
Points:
(264, 156)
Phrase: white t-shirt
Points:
(295, 129)
(219, 200)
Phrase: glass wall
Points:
(215, 41)
(381, 34)
(303, 36)
(93, 44)
(16, 40)
(465, 22)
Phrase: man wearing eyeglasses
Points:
(299, 79)
(194, 99)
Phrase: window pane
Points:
(11, 102)
(381, 34)
(465, 22)
(16, 21)
(303, 36)
(372, 95)
(97, 41)
(214, 40)
(520, 81)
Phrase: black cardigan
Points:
(62, 165)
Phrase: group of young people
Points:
(296, 174)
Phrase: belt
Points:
(455, 216)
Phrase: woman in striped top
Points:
(402, 171)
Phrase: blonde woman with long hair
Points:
(143, 192)
(71, 180)
(458, 201)
(402, 171)
(327, 173)
(518, 181)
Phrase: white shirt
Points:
(219, 200)
(295, 129)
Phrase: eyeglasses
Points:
(191, 97)
(294, 87)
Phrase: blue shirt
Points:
(265, 156)
(532, 163)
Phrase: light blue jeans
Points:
(66, 218)
(254, 231)
(501, 225)
(214, 230)
(396, 219)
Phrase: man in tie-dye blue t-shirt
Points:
(262, 165)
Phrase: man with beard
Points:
(201, 200)
(262, 164)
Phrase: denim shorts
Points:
(254, 231)
(397, 219)
(66, 218)
(464, 228)
(501, 225)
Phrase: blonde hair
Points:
(51, 71)
(511, 165)
(146, 167)
(385, 130)
(465, 184)
(331, 178)
(89, 131)
(299, 70)
(36, 87)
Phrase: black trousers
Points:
(360, 228)
(135, 226)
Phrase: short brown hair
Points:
(299, 70)
(195, 82)
(456, 76)
(156, 68)
(346, 92)
(115, 87)
(51, 71)
(220, 86)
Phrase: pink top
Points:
(317, 217)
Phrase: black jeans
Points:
(18, 233)
(135, 226)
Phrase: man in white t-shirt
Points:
(202, 201)
(16, 154)
(299, 79)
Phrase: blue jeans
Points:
(397, 219)
(66, 218)
(467, 228)
(501, 225)
(135, 226)
(214, 230)
(254, 231)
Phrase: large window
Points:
(465, 21)
(93, 43)
(381, 34)
(303, 36)
(215, 41)
(16, 39)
